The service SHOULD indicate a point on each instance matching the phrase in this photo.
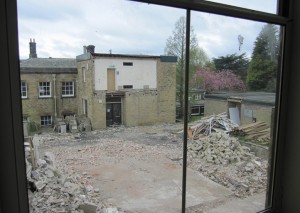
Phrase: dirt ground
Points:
(139, 169)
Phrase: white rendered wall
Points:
(143, 72)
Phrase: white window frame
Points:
(65, 88)
(46, 120)
(24, 89)
(42, 93)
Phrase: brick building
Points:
(48, 87)
(110, 89)
(126, 89)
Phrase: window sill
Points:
(45, 97)
(68, 96)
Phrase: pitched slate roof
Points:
(48, 65)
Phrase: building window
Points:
(44, 89)
(46, 120)
(197, 110)
(127, 64)
(83, 74)
(23, 89)
(127, 86)
(67, 89)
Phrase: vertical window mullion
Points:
(186, 93)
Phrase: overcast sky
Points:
(62, 28)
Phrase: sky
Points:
(62, 28)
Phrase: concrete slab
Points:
(250, 204)
(152, 186)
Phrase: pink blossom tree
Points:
(225, 80)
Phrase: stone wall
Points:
(145, 107)
(166, 87)
(96, 110)
(214, 106)
(33, 106)
(140, 108)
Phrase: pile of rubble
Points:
(224, 160)
(84, 123)
(220, 148)
(51, 190)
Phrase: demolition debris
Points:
(58, 187)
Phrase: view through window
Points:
(104, 107)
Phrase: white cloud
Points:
(61, 28)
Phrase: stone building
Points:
(48, 87)
(126, 89)
(110, 89)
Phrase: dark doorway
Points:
(113, 111)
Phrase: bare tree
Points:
(176, 46)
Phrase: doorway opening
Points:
(113, 111)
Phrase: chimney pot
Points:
(32, 49)
(90, 48)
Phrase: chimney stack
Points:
(32, 49)
(84, 49)
(90, 49)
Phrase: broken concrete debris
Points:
(84, 124)
(220, 148)
(53, 191)
(110, 210)
(237, 168)
(73, 124)
(229, 163)
(88, 207)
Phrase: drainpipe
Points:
(54, 94)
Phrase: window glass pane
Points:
(67, 88)
(236, 67)
(268, 6)
(128, 110)
(124, 109)
(44, 89)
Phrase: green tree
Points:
(237, 63)
(263, 66)
(176, 46)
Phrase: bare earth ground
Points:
(139, 169)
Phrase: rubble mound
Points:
(224, 160)
(54, 191)
(219, 148)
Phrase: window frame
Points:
(65, 90)
(198, 107)
(26, 89)
(127, 63)
(14, 189)
(45, 119)
(83, 74)
(41, 95)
